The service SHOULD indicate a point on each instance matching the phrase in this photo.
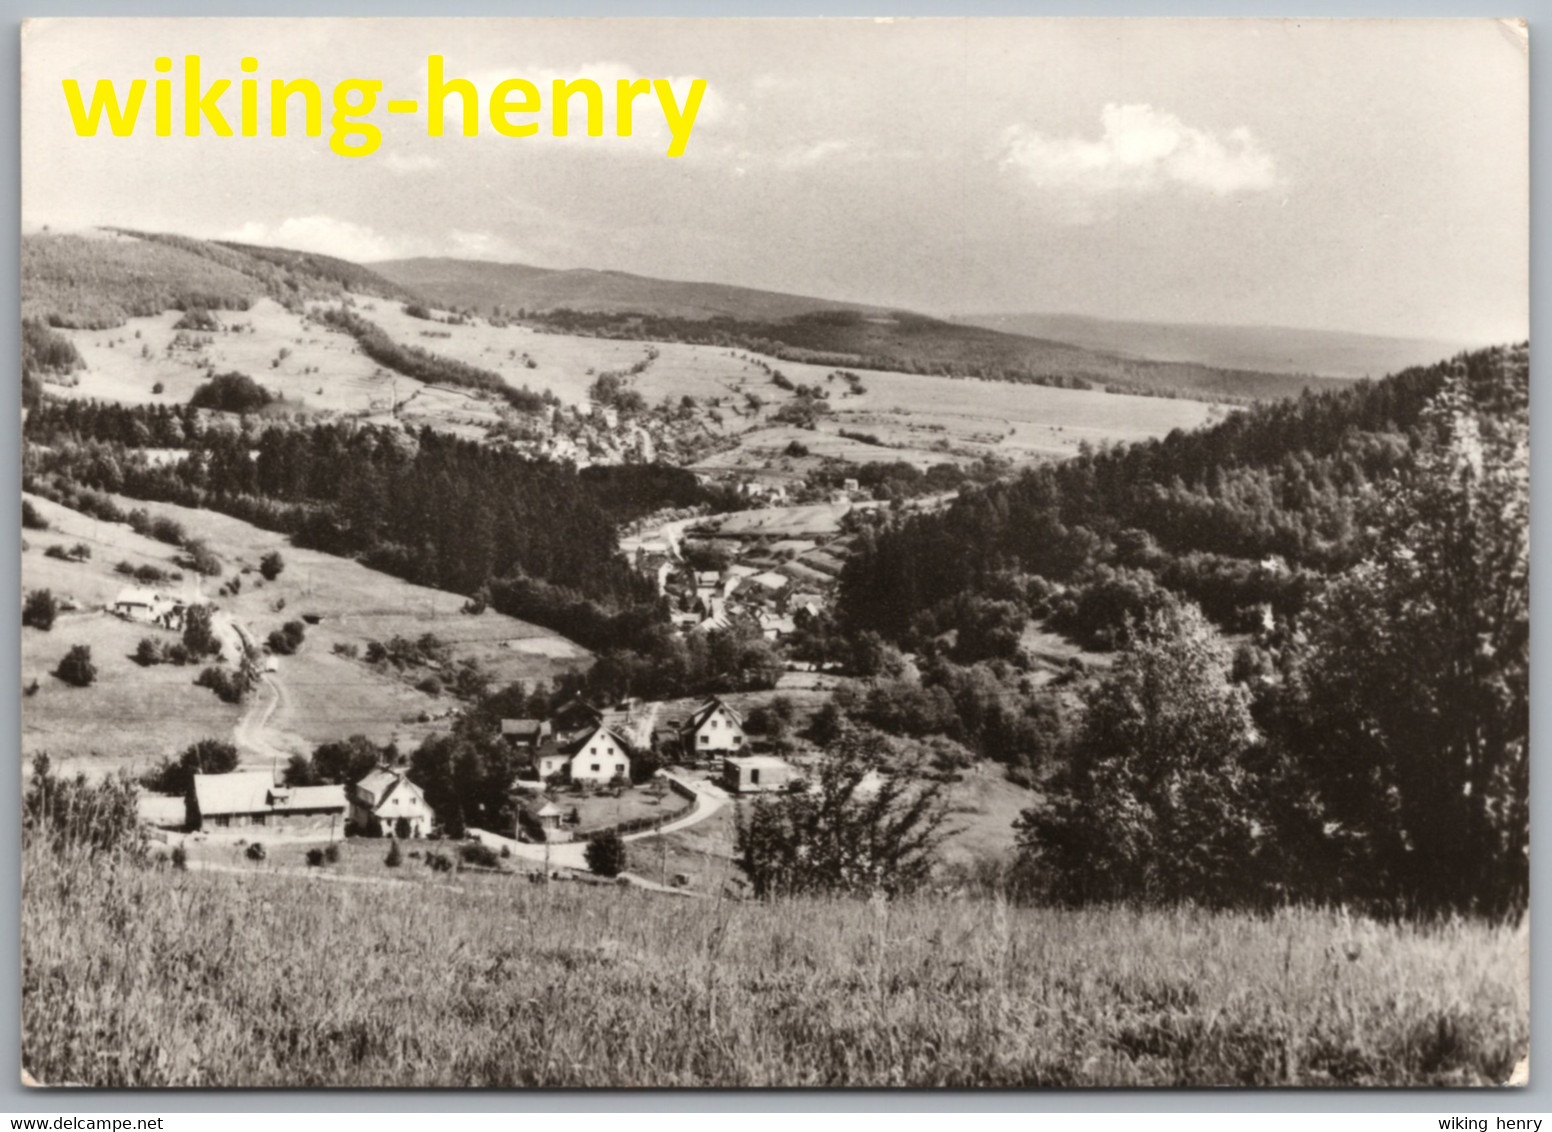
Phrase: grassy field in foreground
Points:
(139, 977)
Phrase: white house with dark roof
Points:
(387, 804)
(152, 607)
(598, 756)
(714, 729)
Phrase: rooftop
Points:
(255, 792)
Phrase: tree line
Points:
(1371, 748)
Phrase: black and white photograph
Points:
(726, 553)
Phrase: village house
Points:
(149, 607)
(751, 774)
(387, 804)
(775, 626)
(713, 729)
(540, 819)
(245, 799)
(529, 733)
(597, 756)
(771, 582)
(810, 604)
(573, 718)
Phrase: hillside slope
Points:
(99, 278)
(473, 284)
(798, 328)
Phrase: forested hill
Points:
(100, 278)
(1200, 513)
(805, 328)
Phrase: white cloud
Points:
(347, 240)
(1140, 149)
(482, 245)
(323, 234)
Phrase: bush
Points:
(32, 518)
(287, 639)
(148, 652)
(606, 855)
(315, 858)
(208, 756)
(231, 393)
(180, 858)
(256, 851)
(331, 853)
(476, 853)
(395, 856)
(271, 565)
(439, 862)
(40, 609)
(232, 687)
(77, 667)
(197, 318)
(202, 559)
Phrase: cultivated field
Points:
(146, 976)
(923, 419)
(134, 716)
(919, 419)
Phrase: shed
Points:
(751, 774)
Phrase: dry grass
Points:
(142, 977)
(599, 810)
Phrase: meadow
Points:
(133, 716)
(144, 976)
(917, 418)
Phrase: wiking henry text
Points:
(513, 108)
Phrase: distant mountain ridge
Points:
(1273, 349)
(101, 278)
(803, 328)
(481, 285)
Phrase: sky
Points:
(1362, 175)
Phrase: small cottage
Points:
(527, 733)
(149, 607)
(541, 820)
(752, 774)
